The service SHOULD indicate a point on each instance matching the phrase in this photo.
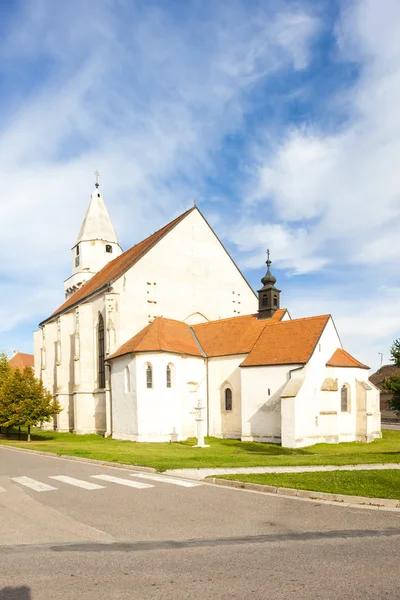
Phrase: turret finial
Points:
(97, 178)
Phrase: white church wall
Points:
(159, 413)
(261, 405)
(223, 373)
(187, 272)
(38, 353)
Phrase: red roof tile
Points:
(287, 342)
(164, 335)
(21, 360)
(117, 267)
(341, 358)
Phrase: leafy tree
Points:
(392, 384)
(5, 375)
(26, 401)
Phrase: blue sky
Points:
(280, 117)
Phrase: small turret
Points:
(268, 295)
(97, 243)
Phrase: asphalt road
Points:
(115, 541)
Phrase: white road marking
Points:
(166, 479)
(120, 481)
(86, 485)
(38, 486)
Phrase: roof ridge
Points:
(224, 319)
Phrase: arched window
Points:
(100, 342)
(149, 376)
(264, 300)
(275, 300)
(344, 398)
(228, 399)
(127, 380)
(169, 377)
(108, 248)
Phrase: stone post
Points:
(200, 420)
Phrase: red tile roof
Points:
(287, 342)
(21, 360)
(235, 335)
(341, 358)
(165, 335)
(117, 267)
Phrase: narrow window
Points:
(77, 250)
(77, 261)
(109, 248)
(169, 381)
(127, 380)
(101, 350)
(228, 399)
(269, 391)
(344, 399)
(265, 300)
(149, 377)
(275, 300)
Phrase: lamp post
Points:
(200, 420)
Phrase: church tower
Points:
(97, 244)
(269, 295)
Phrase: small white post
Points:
(200, 419)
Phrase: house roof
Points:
(341, 358)
(266, 341)
(383, 373)
(20, 360)
(287, 342)
(165, 335)
(117, 267)
(235, 335)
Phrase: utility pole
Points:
(381, 355)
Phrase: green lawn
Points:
(222, 453)
(372, 484)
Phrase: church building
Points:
(143, 335)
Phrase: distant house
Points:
(20, 360)
(378, 379)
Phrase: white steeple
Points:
(97, 243)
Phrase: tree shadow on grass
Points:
(16, 593)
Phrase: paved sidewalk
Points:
(203, 473)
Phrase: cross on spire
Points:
(97, 178)
(268, 259)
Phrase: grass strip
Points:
(383, 483)
(222, 452)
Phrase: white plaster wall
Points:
(187, 272)
(261, 411)
(159, 414)
(224, 372)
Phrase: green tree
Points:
(392, 384)
(26, 401)
(5, 375)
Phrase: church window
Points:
(265, 300)
(149, 377)
(77, 261)
(100, 340)
(275, 300)
(344, 398)
(127, 380)
(109, 248)
(228, 399)
(77, 250)
(169, 381)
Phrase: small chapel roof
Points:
(266, 341)
(20, 360)
(117, 267)
(287, 342)
(341, 358)
(165, 335)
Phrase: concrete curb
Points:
(341, 499)
(93, 461)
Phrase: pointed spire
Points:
(269, 295)
(97, 223)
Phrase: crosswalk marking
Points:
(38, 486)
(86, 485)
(127, 482)
(164, 479)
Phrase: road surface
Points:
(74, 530)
